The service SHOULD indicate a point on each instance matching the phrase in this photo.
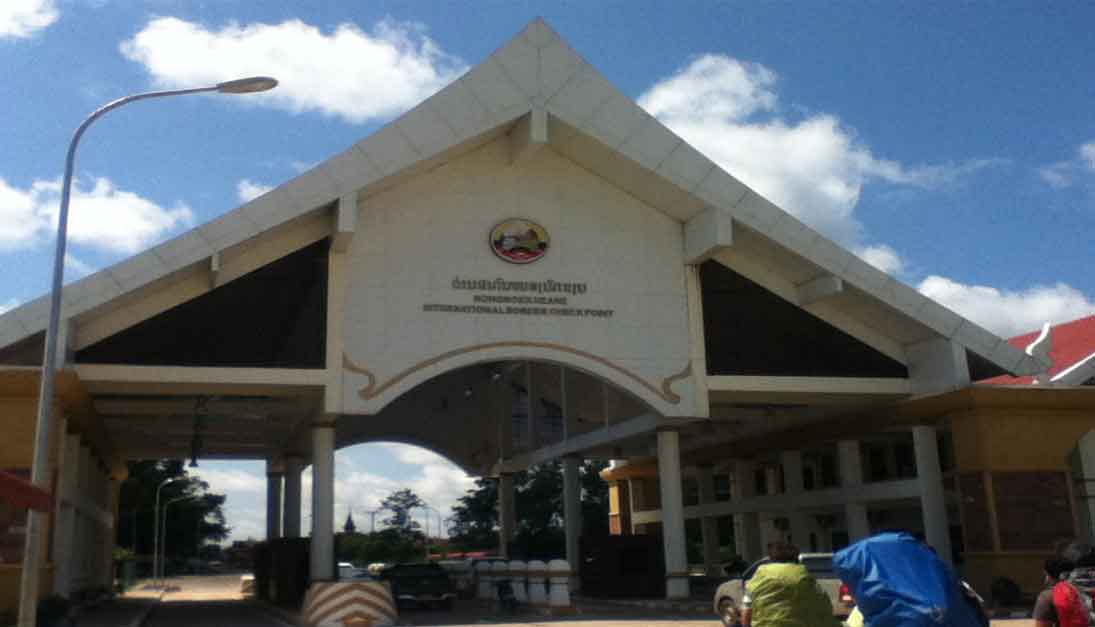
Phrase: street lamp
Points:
(156, 528)
(28, 585)
(163, 534)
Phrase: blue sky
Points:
(953, 146)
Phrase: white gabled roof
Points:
(592, 123)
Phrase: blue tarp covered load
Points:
(899, 582)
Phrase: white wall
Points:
(413, 240)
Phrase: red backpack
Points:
(1072, 598)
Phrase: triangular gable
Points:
(596, 125)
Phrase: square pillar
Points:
(930, 476)
(322, 551)
(851, 479)
(572, 514)
(274, 474)
(709, 527)
(636, 489)
(507, 514)
(64, 529)
(793, 484)
(291, 516)
(672, 492)
(746, 525)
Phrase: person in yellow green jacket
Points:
(784, 594)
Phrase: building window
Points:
(906, 460)
(876, 462)
(722, 488)
(829, 474)
(691, 491)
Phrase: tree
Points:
(349, 526)
(191, 523)
(400, 503)
(539, 505)
(475, 518)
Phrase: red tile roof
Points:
(22, 494)
(1072, 342)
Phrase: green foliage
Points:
(122, 554)
(539, 504)
(475, 518)
(400, 504)
(190, 523)
(386, 545)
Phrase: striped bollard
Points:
(559, 572)
(537, 583)
(349, 604)
(517, 576)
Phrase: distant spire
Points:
(349, 527)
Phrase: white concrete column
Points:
(669, 480)
(709, 524)
(507, 514)
(274, 476)
(572, 514)
(64, 529)
(291, 518)
(930, 475)
(323, 502)
(746, 525)
(851, 478)
(792, 482)
(636, 491)
(82, 545)
(113, 490)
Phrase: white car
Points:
(729, 595)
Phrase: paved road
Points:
(216, 602)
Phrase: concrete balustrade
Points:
(518, 573)
(482, 575)
(559, 573)
(537, 583)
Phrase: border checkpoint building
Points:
(524, 267)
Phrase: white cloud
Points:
(230, 480)
(1009, 313)
(24, 18)
(1063, 173)
(349, 73)
(1087, 155)
(814, 168)
(76, 267)
(20, 219)
(1057, 175)
(436, 480)
(883, 257)
(8, 305)
(102, 217)
(248, 190)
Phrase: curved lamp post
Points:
(163, 536)
(156, 528)
(28, 591)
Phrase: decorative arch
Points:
(658, 393)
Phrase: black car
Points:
(420, 584)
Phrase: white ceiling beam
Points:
(345, 223)
(825, 286)
(528, 136)
(707, 234)
(110, 373)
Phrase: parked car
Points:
(420, 584)
(346, 570)
(728, 596)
